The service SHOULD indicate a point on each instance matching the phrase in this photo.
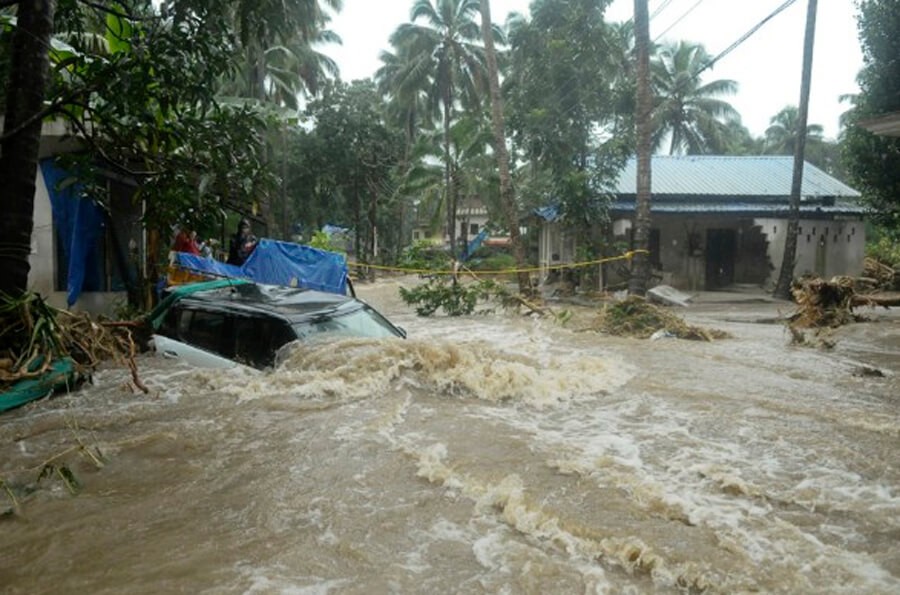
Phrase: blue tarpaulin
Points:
(475, 244)
(79, 224)
(279, 263)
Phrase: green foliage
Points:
(687, 110)
(322, 241)
(424, 255)
(781, 135)
(874, 161)
(437, 72)
(139, 89)
(886, 250)
(494, 262)
(342, 170)
(568, 107)
(447, 294)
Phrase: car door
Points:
(198, 337)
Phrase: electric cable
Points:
(678, 20)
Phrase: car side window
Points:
(206, 330)
(256, 339)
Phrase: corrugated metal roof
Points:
(731, 176)
(760, 209)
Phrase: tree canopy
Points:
(874, 161)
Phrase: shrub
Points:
(423, 255)
(885, 250)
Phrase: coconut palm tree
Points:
(687, 111)
(276, 39)
(781, 135)
(408, 105)
(290, 69)
(442, 55)
(20, 140)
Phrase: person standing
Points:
(186, 241)
(242, 244)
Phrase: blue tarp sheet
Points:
(79, 222)
(279, 263)
(475, 244)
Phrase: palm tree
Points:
(20, 140)
(443, 57)
(276, 38)
(408, 105)
(781, 135)
(686, 111)
(289, 70)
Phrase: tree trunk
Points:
(507, 193)
(640, 264)
(19, 153)
(372, 243)
(786, 275)
(449, 180)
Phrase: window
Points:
(473, 229)
(257, 339)
(206, 330)
(361, 322)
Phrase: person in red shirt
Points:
(186, 241)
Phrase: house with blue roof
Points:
(722, 220)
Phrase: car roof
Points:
(289, 303)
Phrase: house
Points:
(83, 256)
(722, 220)
(472, 220)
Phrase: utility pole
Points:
(640, 263)
(786, 275)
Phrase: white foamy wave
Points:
(354, 369)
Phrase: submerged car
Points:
(219, 324)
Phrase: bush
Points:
(456, 299)
(885, 251)
(496, 262)
(322, 241)
(424, 255)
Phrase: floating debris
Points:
(636, 317)
(34, 337)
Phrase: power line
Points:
(744, 37)
(660, 8)
(678, 20)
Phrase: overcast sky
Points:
(767, 66)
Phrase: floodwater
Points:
(488, 454)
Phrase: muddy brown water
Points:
(487, 454)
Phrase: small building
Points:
(472, 221)
(722, 220)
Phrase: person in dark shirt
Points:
(242, 244)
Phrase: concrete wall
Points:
(824, 248)
(556, 245)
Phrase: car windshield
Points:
(359, 322)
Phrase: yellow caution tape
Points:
(572, 265)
